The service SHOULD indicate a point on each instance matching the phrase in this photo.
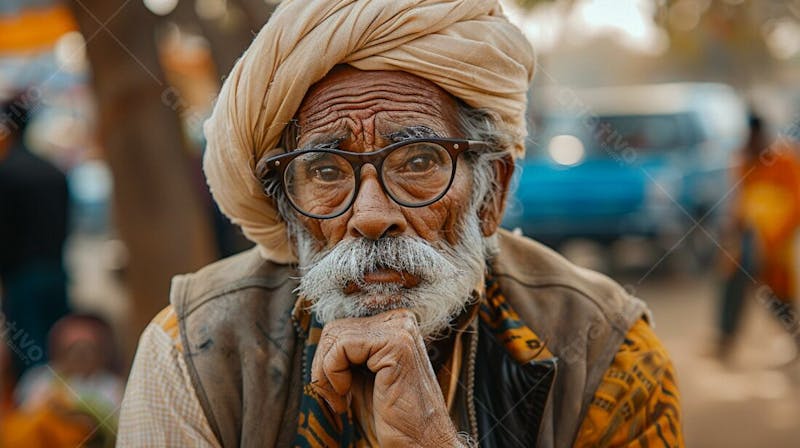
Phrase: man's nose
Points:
(375, 215)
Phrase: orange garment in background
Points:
(769, 205)
(46, 427)
(43, 428)
(35, 28)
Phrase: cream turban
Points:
(467, 47)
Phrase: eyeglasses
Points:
(323, 183)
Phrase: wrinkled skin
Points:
(409, 409)
(361, 109)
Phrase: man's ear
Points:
(491, 212)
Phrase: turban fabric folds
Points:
(466, 47)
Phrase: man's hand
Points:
(408, 407)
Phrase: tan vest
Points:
(244, 356)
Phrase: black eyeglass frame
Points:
(276, 166)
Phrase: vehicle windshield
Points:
(614, 133)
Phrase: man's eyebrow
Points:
(323, 143)
(410, 133)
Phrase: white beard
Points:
(448, 275)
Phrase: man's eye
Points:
(328, 173)
(420, 163)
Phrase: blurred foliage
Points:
(736, 41)
(724, 36)
(528, 4)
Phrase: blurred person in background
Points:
(764, 225)
(34, 204)
(71, 400)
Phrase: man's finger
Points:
(336, 402)
(336, 369)
(334, 393)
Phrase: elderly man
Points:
(367, 148)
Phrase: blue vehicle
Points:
(645, 161)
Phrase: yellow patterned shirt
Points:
(637, 403)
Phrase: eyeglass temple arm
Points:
(262, 169)
(478, 143)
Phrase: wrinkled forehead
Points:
(349, 103)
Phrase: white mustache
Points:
(350, 260)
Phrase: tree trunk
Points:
(227, 39)
(157, 209)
